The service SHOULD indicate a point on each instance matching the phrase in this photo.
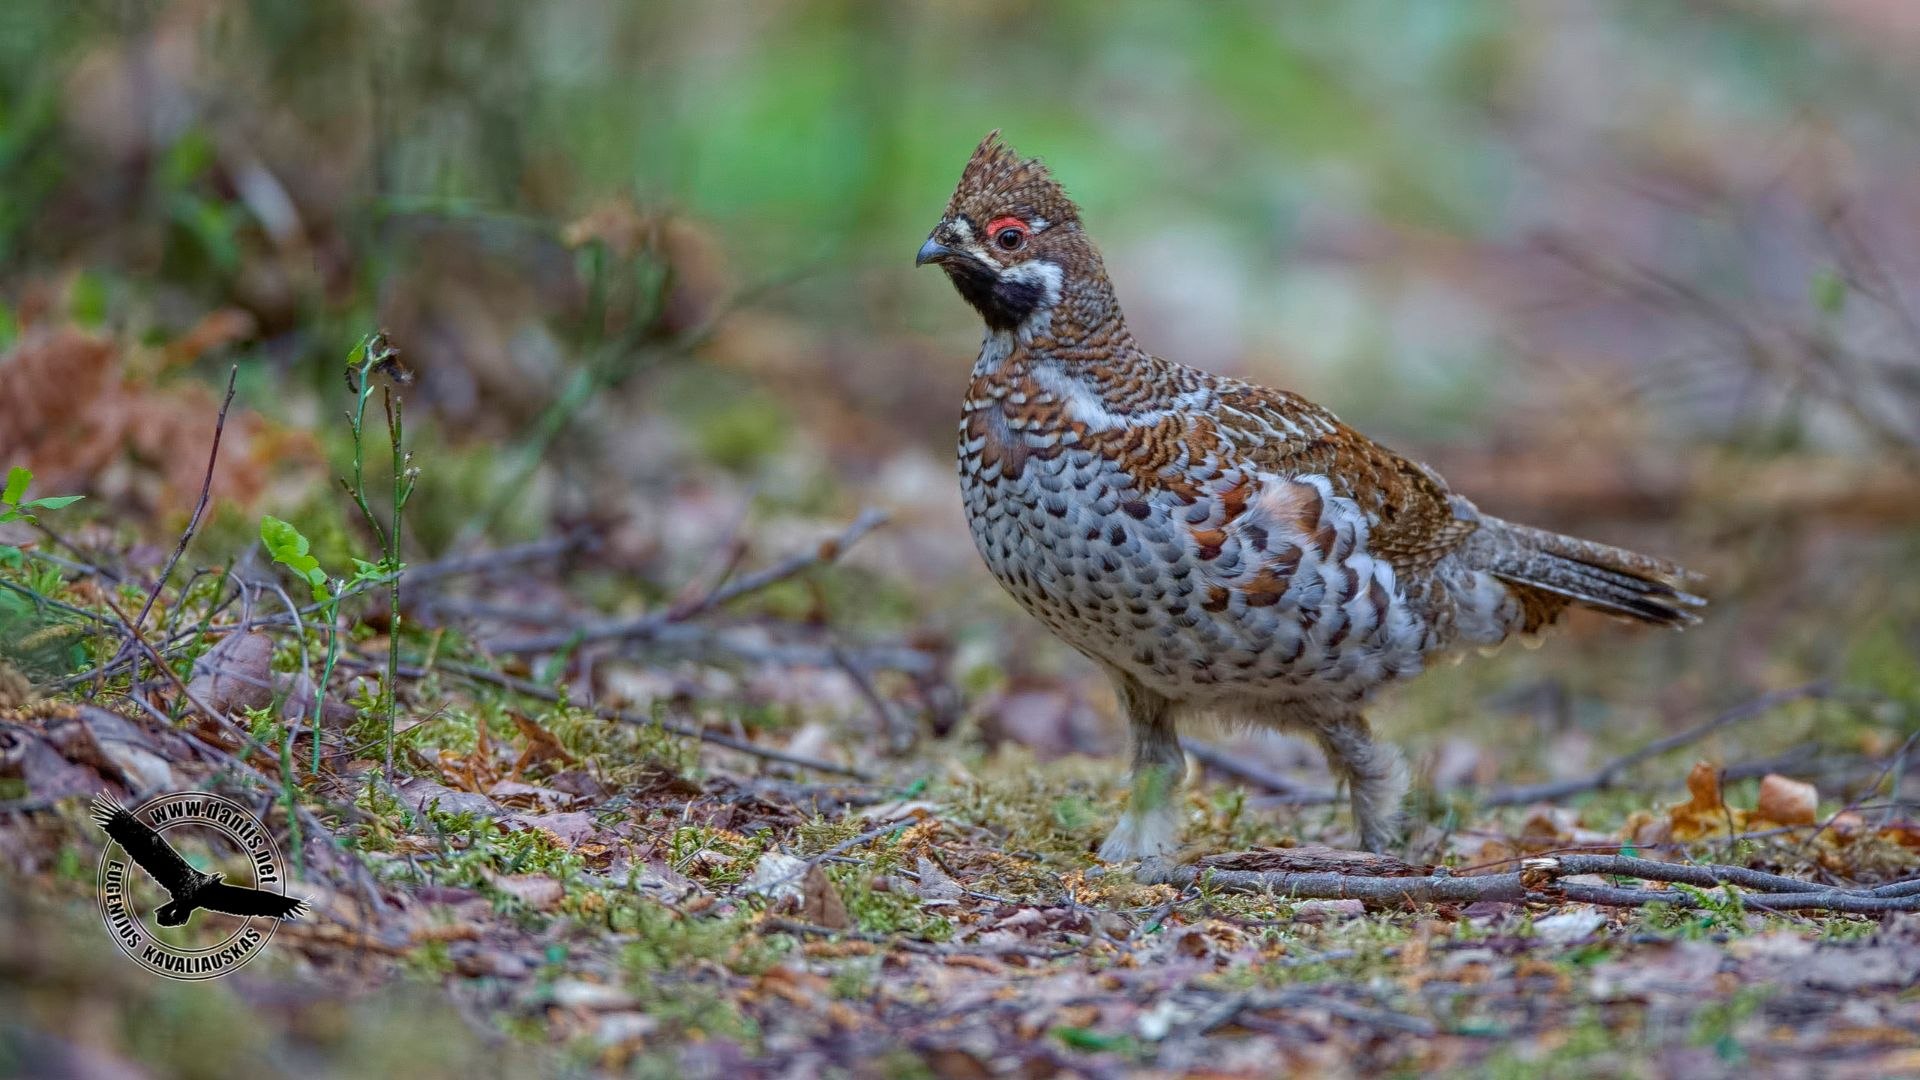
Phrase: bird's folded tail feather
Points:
(1613, 580)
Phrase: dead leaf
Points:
(78, 420)
(820, 902)
(424, 794)
(568, 829)
(216, 330)
(1312, 911)
(777, 876)
(936, 886)
(527, 796)
(235, 675)
(542, 745)
(1705, 813)
(537, 891)
(1788, 802)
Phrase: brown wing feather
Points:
(1414, 519)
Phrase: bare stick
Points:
(1539, 881)
(1285, 789)
(1607, 776)
(482, 561)
(930, 948)
(842, 847)
(647, 625)
(199, 509)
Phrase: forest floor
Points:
(717, 838)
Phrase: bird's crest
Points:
(999, 182)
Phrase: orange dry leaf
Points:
(1788, 802)
(73, 413)
(1783, 802)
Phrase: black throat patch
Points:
(1003, 304)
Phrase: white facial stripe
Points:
(1039, 272)
(962, 232)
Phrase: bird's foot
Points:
(1142, 835)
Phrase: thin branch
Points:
(645, 626)
(1285, 789)
(1540, 881)
(199, 509)
(840, 848)
(930, 948)
(1608, 775)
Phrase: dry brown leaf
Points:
(537, 891)
(1787, 802)
(542, 745)
(236, 674)
(215, 330)
(527, 796)
(936, 886)
(1705, 813)
(820, 902)
(567, 829)
(73, 413)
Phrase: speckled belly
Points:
(1244, 585)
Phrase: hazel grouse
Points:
(1220, 548)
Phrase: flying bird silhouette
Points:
(188, 888)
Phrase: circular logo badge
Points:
(191, 885)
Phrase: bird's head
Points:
(1010, 239)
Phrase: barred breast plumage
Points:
(1213, 544)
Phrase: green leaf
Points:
(1829, 291)
(11, 556)
(18, 478)
(53, 502)
(290, 549)
(88, 301)
(1086, 1039)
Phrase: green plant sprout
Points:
(291, 549)
(15, 506)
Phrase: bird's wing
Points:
(1412, 519)
(239, 900)
(143, 845)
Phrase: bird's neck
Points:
(1084, 328)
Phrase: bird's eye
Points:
(1009, 233)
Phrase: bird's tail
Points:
(1551, 570)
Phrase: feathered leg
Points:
(1151, 824)
(1375, 773)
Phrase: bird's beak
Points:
(931, 251)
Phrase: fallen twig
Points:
(199, 508)
(1284, 789)
(1608, 775)
(930, 948)
(645, 626)
(1540, 881)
